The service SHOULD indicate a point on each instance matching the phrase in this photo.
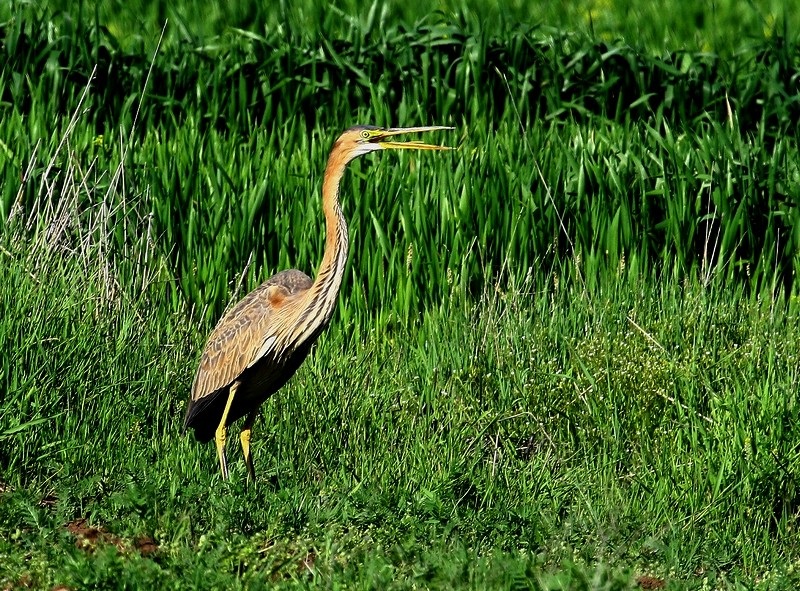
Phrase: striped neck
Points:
(321, 297)
(331, 270)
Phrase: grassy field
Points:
(566, 355)
(720, 26)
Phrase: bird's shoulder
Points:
(293, 280)
(246, 332)
(253, 310)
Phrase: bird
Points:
(259, 343)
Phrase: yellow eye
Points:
(365, 134)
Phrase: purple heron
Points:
(260, 342)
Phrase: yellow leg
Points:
(219, 437)
(244, 437)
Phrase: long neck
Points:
(321, 297)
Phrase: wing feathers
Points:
(247, 332)
(265, 349)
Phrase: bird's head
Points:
(363, 139)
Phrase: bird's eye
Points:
(365, 134)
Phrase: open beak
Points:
(392, 131)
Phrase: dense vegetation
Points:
(566, 355)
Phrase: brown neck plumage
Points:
(320, 299)
(336, 239)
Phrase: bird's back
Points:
(239, 349)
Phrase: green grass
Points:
(668, 24)
(565, 355)
(713, 163)
(544, 432)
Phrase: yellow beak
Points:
(409, 145)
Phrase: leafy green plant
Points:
(565, 355)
